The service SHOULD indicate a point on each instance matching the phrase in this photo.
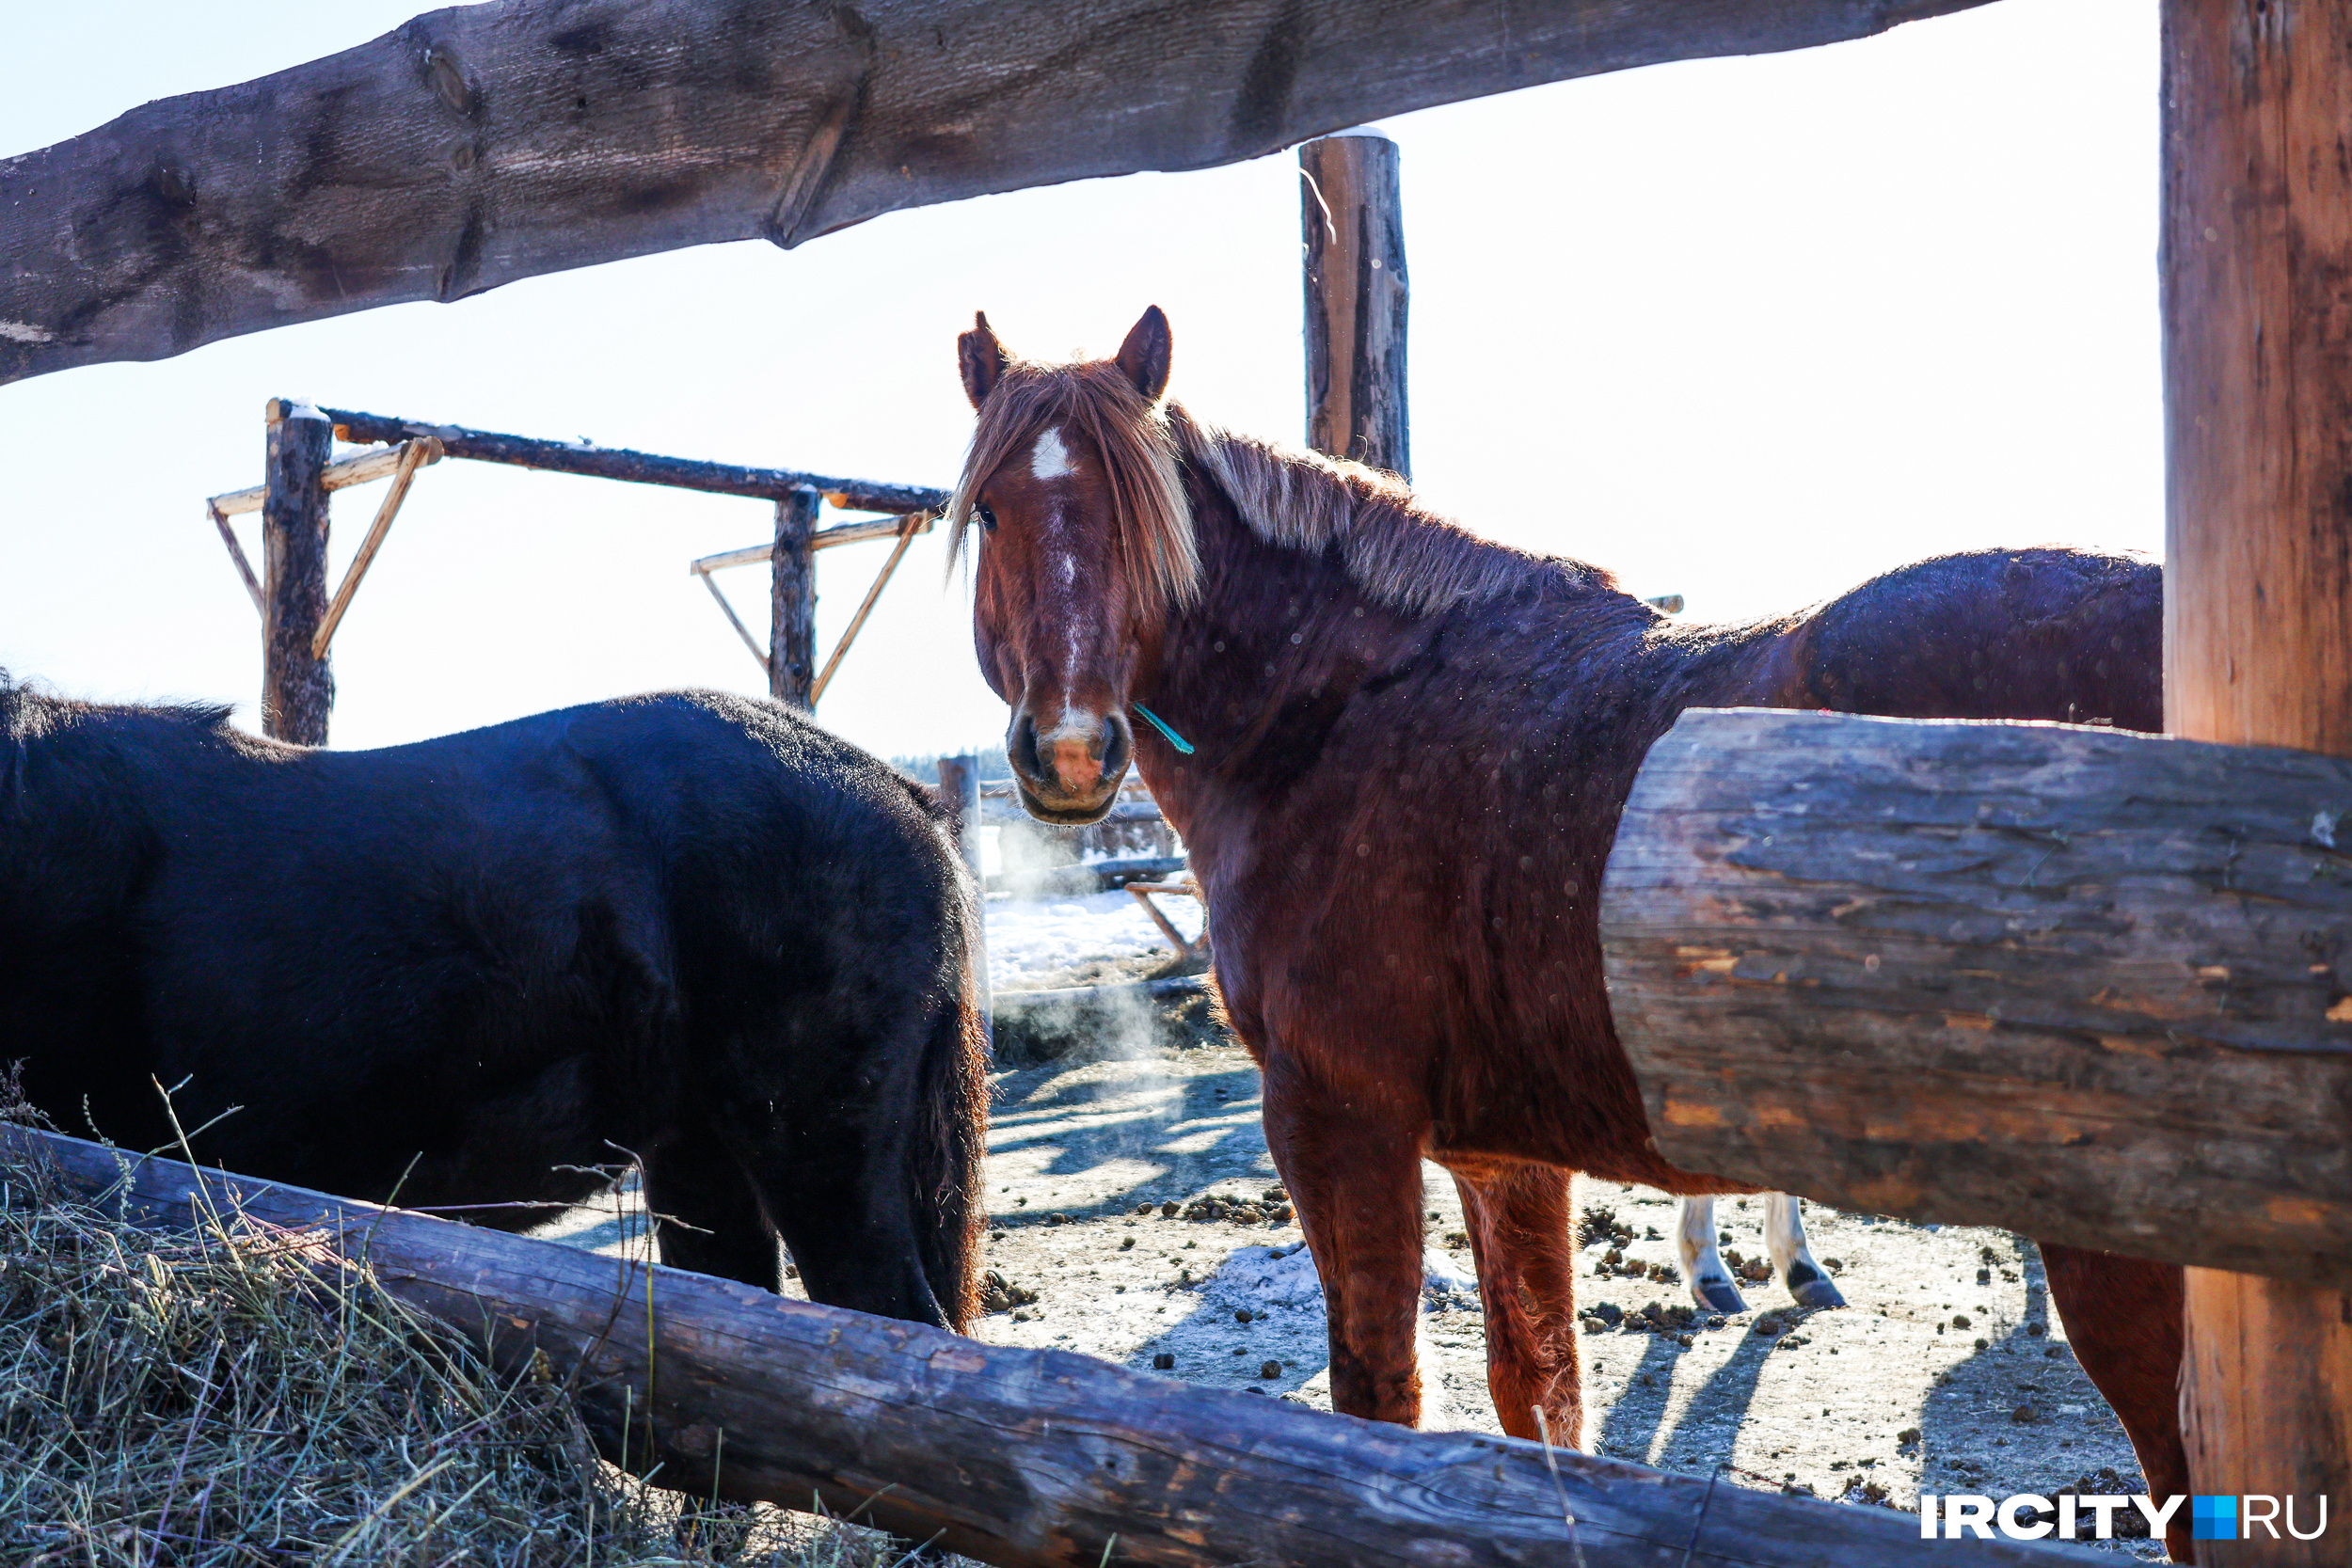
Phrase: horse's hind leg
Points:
(2122, 1316)
(1523, 1228)
(1355, 1180)
(1703, 1267)
(1783, 1238)
(706, 1217)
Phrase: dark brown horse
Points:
(1398, 754)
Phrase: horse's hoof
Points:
(1816, 1292)
(1717, 1295)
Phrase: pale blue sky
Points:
(1750, 331)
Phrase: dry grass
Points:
(232, 1395)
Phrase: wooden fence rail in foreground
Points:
(2092, 985)
(1018, 1457)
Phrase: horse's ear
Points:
(981, 357)
(1145, 354)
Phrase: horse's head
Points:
(1085, 544)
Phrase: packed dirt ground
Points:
(1947, 1370)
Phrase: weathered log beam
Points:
(792, 602)
(297, 683)
(2092, 985)
(363, 467)
(2256, 241)
(859, 533)
(639, 468)
(1018, 1457)
(1352, 218)
(480, 144)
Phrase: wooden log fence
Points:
(363, 467)
(297, 683)
(591, 461)
(1144, 893)
(669, 123)
(2092, 985)
(2256, 231)
(300, 619)
(1352, 216)
(907, 532)
(1022, 1458)
(413, 454)
(792, 602)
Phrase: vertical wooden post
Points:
(297, 687)
(959, 785)
(2257, 248)
(1354, 221)
(792, 623)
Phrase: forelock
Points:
(1093, 401)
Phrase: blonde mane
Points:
(1393, 548)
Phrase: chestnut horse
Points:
(1397, 753)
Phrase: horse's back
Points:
(2051, 633)
(369, 950)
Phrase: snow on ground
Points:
(1034, 941)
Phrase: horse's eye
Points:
(987, 518)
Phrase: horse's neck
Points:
(1253, 669)
(1256, 672)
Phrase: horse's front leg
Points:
(1522, 1230)
(1793, 1259)
(1703, 1267)
(705, 1215)
(1353, 1172)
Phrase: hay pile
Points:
(230, 1395)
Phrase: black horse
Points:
(689, 926)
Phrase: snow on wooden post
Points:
(2257, 241)
(792, 627)
(297, 685)
(1353, 217)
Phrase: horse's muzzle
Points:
(1068, 776)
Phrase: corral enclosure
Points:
(2212, 717)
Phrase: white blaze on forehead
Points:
(1050, 459)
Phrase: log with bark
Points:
(2258, 599)
(636, 467)
(2090, 986)
(1018, 1457)
(480, 144)
(1358, 300)
(298, 683)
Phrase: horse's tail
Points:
(951, 1135)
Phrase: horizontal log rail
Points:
(641, 468)
(477, 145)
(2090, 986)
(996, 812)
(363, 467)
(859, 533)
(1023, 1458)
